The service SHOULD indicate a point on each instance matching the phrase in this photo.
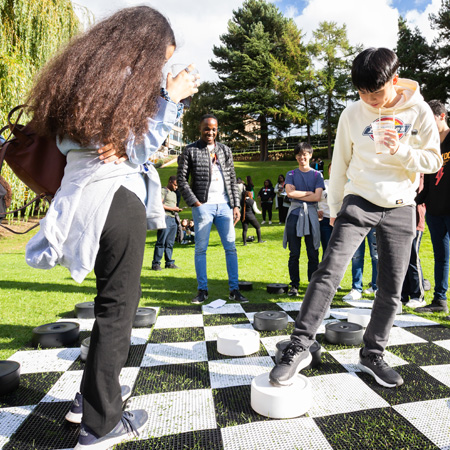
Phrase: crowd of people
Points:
(108, 119)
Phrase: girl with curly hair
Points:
(100, 99)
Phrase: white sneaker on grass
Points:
(370, 291)
(416, 303)
(354, 294)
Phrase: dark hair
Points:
(270, 183)
(250, 182)
(105, 83)
(172, 178)
(303, 147)
(208, 116)
(438, 108)
(281, 175)
(373, 68)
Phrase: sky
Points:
(198, 24)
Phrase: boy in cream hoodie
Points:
(369, 190)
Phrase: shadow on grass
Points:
(34, 286)
(13, 337)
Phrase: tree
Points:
(333, 53)
(244, 67)
(418, 62)
(441, 23)
(30, 32)
(293, 78)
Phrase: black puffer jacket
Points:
(195, 162)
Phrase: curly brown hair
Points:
(104, 85)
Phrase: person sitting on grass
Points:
(369, 190)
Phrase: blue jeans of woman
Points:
(221, 215)
(439, 227)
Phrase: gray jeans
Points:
(395, 230)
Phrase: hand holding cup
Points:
(184, 84)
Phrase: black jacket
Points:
(195, 163)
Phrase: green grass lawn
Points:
(30, 297)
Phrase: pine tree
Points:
(243, 62)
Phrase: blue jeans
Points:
(221, 215)
(395, 228)
(413, 284)
(439, 227)
(295, 245)
(358, 262)
(165, 238)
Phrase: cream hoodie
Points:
(386, 180)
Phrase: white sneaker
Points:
(270, 223)
(263, 222)
(370, 291)
(416, 303)
(352, 295)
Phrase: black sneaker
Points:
(293, 291)
(76, 409)
(156, 267)
(171, 266)
(375, 365)
(435, 306)
(236, 296)
(202, 295)
(294, 358)
(129, 427)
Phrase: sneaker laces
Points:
(128, 425)
(290, 352)
(377, 359)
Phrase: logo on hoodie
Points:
(401, 127)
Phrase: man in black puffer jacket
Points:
(214, 197)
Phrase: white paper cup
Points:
(378, 129)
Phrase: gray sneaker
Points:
(375, 365)
(129, 427)
(294, 358)
(76, 409)
(437, 305)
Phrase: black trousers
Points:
(117, 269)
(250, 219)
(266, 207)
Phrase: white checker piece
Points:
(174, 353)
(444, 344)
(179, 321)
(211, 333)
(400, 336)
(11, 419)
(410, 320)
(430, 417)
(251, 317)
(175, 412)
(85, 324)
(53, 360)
(231, 308)
(349, 358)
(293, 434)
(440, 372)
(360, 303)
(342, 393)
(270, 343)
(139, 336)
(292, 306)
(238, 372)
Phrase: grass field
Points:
(30, 297)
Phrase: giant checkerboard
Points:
(199, 399)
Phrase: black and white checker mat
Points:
(199, 399)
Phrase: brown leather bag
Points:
(35, 160)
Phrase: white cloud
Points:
(421, 20)
(372, 23)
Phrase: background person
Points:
(436, 196)
(98, 220)
(266, 194)
(279, 199)
(304, 187)
(214, 197)
(248, 209)
(165, 237)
